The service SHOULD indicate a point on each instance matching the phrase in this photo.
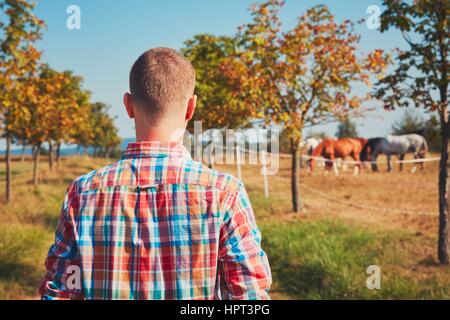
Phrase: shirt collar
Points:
(156, 149)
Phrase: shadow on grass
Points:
(22, 252)
(25, 276)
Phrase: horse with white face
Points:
(395, 145)
(309, 145)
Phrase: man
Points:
(157, 224)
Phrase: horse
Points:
(395, 145)
(338, 149)
(310, 144)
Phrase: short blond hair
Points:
(161, 81)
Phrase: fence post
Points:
(238, 162)
(264, 172)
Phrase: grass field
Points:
(320, 254)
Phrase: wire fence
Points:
(265, 159)
(366, 207)
(262, 153)
(343, 161)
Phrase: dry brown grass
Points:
(415, 193)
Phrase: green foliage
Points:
(347, 129)
(409, 123)
(413, 123)
(285, 142)
(420, 77)
(318, 135)
(433, 133)
(105, 139)
(215, 107)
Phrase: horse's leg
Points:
(357, 167)
(374, 164)
(328, 165)
(335, 165)
(335, 169)
(422, 163)
(356, 170)
(389, 162)
(401, 158)
(339, 164)
(414, 168)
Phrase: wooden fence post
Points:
(264, 172)
(238, 162)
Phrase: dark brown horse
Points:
(331, 150)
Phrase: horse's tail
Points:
(317, 152)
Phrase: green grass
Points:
(21, 259)
(327, 259)
(28, 223)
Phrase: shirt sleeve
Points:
(244, 269)
(62, 280)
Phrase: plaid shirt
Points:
(156, 225)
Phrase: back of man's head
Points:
(161, 83)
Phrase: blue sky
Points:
(114, 33)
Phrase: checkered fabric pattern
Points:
(156, 225)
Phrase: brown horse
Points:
(331, 149)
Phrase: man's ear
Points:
(191, 107)
(128, 102)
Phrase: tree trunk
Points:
(50, 156)
(444, 197)
(22, 156)
(8, 168)
(36, 165)
(58, 153)
(296, 199)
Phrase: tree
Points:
(105, 134)
(68, 103)
(216, 107)
(346, 129)
(54, 109)
(38, 105)
(409, 123)
(421, 79)
(433, 133)
(299, 77)
(18, 60)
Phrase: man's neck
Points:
(162, 135)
